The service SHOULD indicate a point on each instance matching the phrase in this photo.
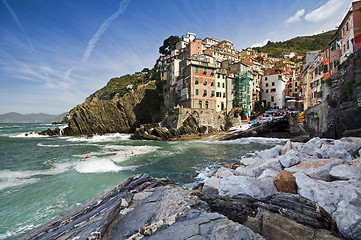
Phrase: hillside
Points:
(14, 117)
(117, 87)
(301, 45)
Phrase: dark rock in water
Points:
(50, 132)
(143, 207)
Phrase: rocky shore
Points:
(296, 191)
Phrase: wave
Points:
(16, 230)
(28, 135)
(52, 146)
(100, 165)
(101, 138)
(10, 178)
(248, 140)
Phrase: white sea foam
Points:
(28, 135)
(46, 145)
(16, 230)
(249, 140)
(101, 138)
(99, 165)
(205, 173)
(16, 178)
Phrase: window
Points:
(212, 95)
(348, 44)
(266, 84)
(196, 81)
(224, 95)
(212, 72)
(205, 82)
(218, 94)
(272, 99)
(273, 90)
(325, 68)
(212, 82)
(273, 83)
(205, 71)
(266, 90)
(197, 69)
(206, 104)
(347, 27)
(222, 85)
(218, 84)
(197, 92)
(295, 84)
(200, 104)
(344, 48)
(265, 78)
(204, 93)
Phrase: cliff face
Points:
(339, 114)
(123, 114)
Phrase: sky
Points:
(55, 53)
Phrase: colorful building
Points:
(197, 83)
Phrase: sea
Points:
(42, 177)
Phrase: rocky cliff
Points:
(339, 114)
(118, 114)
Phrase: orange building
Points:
(356, 12)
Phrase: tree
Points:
(169, 45)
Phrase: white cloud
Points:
(261, 44)
(331, 12)
(16, 19)
(101, 30)
(296, 17)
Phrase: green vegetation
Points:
(301, 45)
(118, 86)
(169, 45)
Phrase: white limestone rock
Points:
(345, 172)
(211, 185)
(244, 171)
(250, 161)
(348, 145)
(253, 187)
(290, 158)
(330, 151)
(268, 173)
(316, 168)
(269, 153)
(310, 147)
(348, 219)
(224, 172)
(286, 147)
(272, 164)
(326, 194)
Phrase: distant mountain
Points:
(301, 45)
(14, 117)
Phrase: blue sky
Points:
(53, 54)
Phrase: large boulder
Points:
(290, 158)
(345, 172)
(256, 188)
(317, 169)
(286, 182)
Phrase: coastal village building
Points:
(211, 74)
(273, 88)
(196, 85)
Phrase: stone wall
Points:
(217, 120)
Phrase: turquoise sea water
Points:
(42, 177)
